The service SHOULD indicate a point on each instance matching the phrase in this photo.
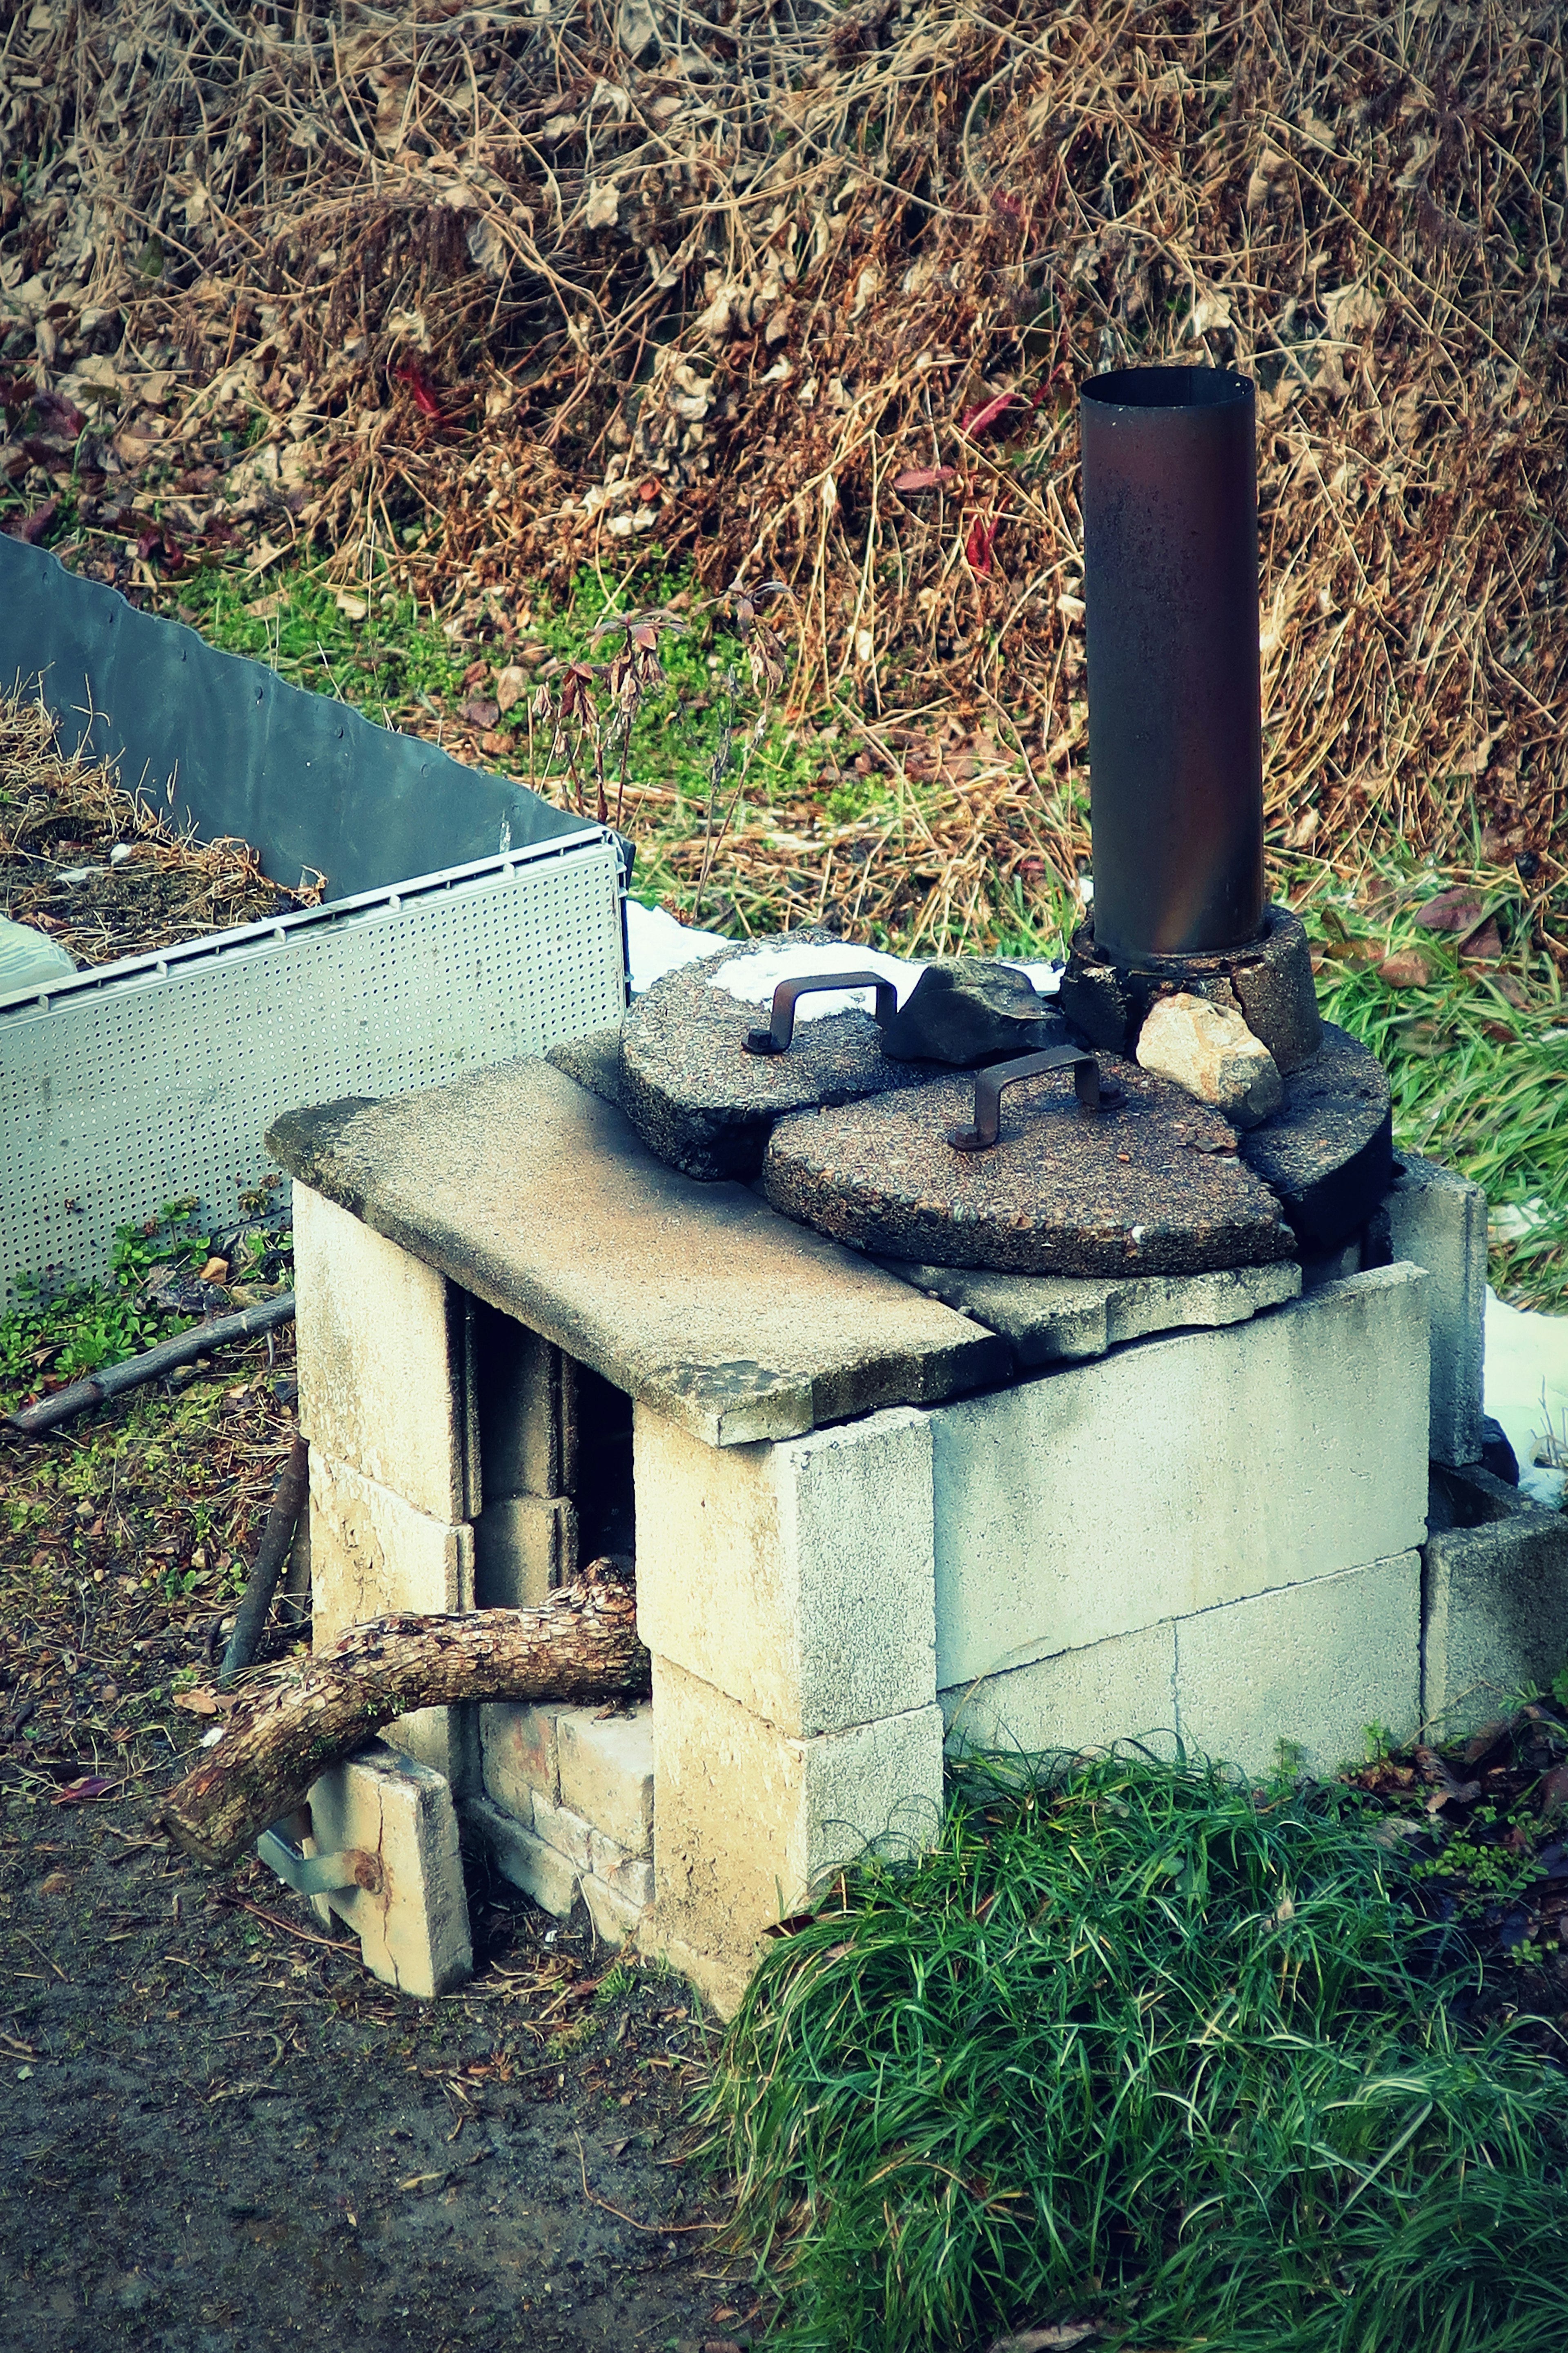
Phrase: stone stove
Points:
(1111, 1416)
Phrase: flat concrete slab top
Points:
(1150, 1187)
(525, 1188)
(1062, 1318)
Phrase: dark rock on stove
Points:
(1496, 1452)
(702, 1102)
(1328, 1152)
(1271, 982)
(968, 1010)
(1140, 1189)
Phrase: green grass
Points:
(1148, 2047)
(395, 662)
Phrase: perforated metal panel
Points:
(156, 1078)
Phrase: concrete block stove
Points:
(935, 1415)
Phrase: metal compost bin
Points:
(483, 923)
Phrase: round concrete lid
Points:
(1153, 1186)
(699, 1099)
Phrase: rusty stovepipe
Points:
(1170, 582)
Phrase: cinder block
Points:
(567, 1832)
(750, 1817)
(1121, 1688)
(520, 1754)
(380, 1346)
(371, 1554)
(537, 1869)
(797, 1576)
(1437, 1220)
(1181, 1473)
(524, 1410)
(410, 1914)
(523, 1547)
(1313, 1665)
(606, 1772)
(630, 1875)
(615, 1916)
(720, 1983)
(1494, 1613)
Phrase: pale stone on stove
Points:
(798, 1577)
(1209, 1050)
(411, 1919)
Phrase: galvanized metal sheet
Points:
(156, 1078)
(225, 745)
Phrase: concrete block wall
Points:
(1181, 1475)
(383, 1404)
(567, 1808)
(1211, 1534)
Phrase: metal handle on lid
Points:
(776, 1040)
(989, 1085)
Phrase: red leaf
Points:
(1484, 946)
(420, 386)
(32, 527)
(82, 1792)
(987, 413)
(922, 478)
(978, 546)
(58, 415)
(1457, 910)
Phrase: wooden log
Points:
(581, 1645)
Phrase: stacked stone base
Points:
(1213, 1535)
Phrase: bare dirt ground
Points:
(217, 2131)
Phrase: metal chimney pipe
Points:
(1169, 503)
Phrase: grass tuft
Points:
(1148, 2047)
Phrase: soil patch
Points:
(99, 870)
(217, 2131)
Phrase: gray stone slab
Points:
(1437, 1219)
(1328, 1152)
(1056, 1318)
(1494, 1613)
(702, 1102)
(533, 1194)
(1150, 1187)
(594, 1061)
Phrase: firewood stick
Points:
(580, 1645)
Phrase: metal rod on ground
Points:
(200, 1341)
(276, 1537)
